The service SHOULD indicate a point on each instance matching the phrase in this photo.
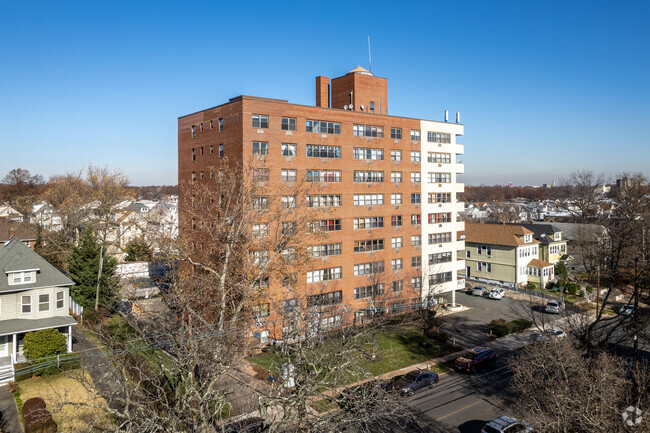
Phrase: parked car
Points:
(412, 381)
(476, 359)
(497, 293)
(479, 291)
(546, 336)
(554, 306)
(626, 310)
(505, 424)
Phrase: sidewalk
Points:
(10, 423)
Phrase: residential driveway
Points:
(9, 421)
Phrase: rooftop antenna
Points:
(369, 56)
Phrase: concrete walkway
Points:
(9, 422)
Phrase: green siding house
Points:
(34, 295)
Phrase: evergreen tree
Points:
(138, 251)
(83, 265)
(562, 274)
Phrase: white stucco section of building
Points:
(440, 167)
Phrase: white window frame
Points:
(62, 300)
(41, 303)
(23, 305)
(396, 242)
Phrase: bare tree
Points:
(21, 190)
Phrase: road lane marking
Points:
(459, 410)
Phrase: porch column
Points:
(14, 354)
(69, 338)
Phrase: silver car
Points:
(554, 307)
(479, 291)
(505, 424)
(497, 293)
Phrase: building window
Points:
(193, 131)
(396, 264)
(260, 121)
(468, 254)
(370, 154)
(372, 106)
(211, 124)
(416, 283)
(288, 228)
(396, 242)
(396, 220)
(368, 245)
(439, 238)
(488, 250)
(201, 151)
(26, 304)
(368, 131)
(323, 201)
(398, 286)
(193, 154)
(221, 125)
(193, 176)
(395, 155)
(415, 219)
(193, 224)
(438, 137)
(201, 175)
(415, 198)
(288, 175)
(443, 277)
(260, 257)
(368, 199)
(396, 133)
(324, 299)
(441, 158)
(415, 156)
(368, 269)
(60, 300)
(323, 176)
(289, 280)
(260, 148)
(262, 310)
(324, 250)
(484, 267)
(396, 176)
(396, 199)
(435, 218)
(439, 197)
(288, 201)
(288, 149)
(44, 302)
(324, 275)
(288, 124)
(211, 149)
(221, 151)
(260, 230)
(318, 151)
(415, 135)
(323, 127)
(439, 177)
(416, 261)
(368, 223)
(369, 291)
(331, 225)
(368, 176)
(437, 258)
(260, 202)
(289, 254)
(260, 175)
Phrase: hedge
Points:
(501, 328)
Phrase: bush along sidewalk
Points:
(501, 328)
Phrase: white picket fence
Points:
(75, 308)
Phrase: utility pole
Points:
(597, 288)
(635, 313)
(99, 275)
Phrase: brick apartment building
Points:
(389, 183)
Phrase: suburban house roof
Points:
(21, 230)
(548, 230)
(537, 263)
(16, 256)
(497, 234)
(13, 326)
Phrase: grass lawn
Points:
(394, 351)
(74, 386)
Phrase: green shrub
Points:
(590, 290)
(44, 343)
(581, 293)
(550, 285)
(501, 328)
(519, 325)
(531, 286)
(573, 288)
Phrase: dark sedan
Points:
(412, 381)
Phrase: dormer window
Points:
(24, 277)
(528, 238)
(558, 236)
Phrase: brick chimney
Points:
(322, 91)
(12, 232)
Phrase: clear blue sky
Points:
(544, 88)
